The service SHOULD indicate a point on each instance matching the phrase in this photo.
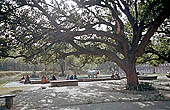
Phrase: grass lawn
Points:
(12, 90)
(8, 76)
(7, 79)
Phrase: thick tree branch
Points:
(126, 11)
(18, 56)
(51, 19)
(102, 21)
(104, 42)
(159, 54)
(111, 55)
(115, 15)
(150, 32)
(72, 34)
(149, 59)
(136, 11)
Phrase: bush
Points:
(143, 86)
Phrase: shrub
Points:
(143, 86)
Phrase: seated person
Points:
(137, 73)
(75, 76)
(27, 80)
(71, 77)
(44, 79)
(22, 78)
(115, 75)
(67, 77)
(53, 78)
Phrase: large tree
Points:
(118, 30)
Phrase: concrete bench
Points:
(8, 100)
(35, 81)
(93, 79)
(60, 83)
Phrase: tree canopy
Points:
(117, 30)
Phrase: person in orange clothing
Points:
(44, 79)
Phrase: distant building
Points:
(162, 68)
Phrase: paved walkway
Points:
(146, 105)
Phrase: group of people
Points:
(115, 75)
(71, 77)
(26, 79)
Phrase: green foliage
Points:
(6, 10)
(143, 86)
(158, 50)
(3, 48)
(154, 9)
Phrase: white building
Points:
(162, 68)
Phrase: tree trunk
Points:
(61, 62)
(62, 70)
(53, 68)
(130, 70)
(45, 69)
(154, 70)
(132, 79)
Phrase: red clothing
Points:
(44, 80)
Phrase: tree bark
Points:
(62, 66)
(62, 70)
(131, 76)
(132, 79)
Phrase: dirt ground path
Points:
(43, 97)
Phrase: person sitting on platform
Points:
(53, 78)
(44, 79)
(71, 77)
(27, 80)
(22, 78)
(115, 75)
(75, 76)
